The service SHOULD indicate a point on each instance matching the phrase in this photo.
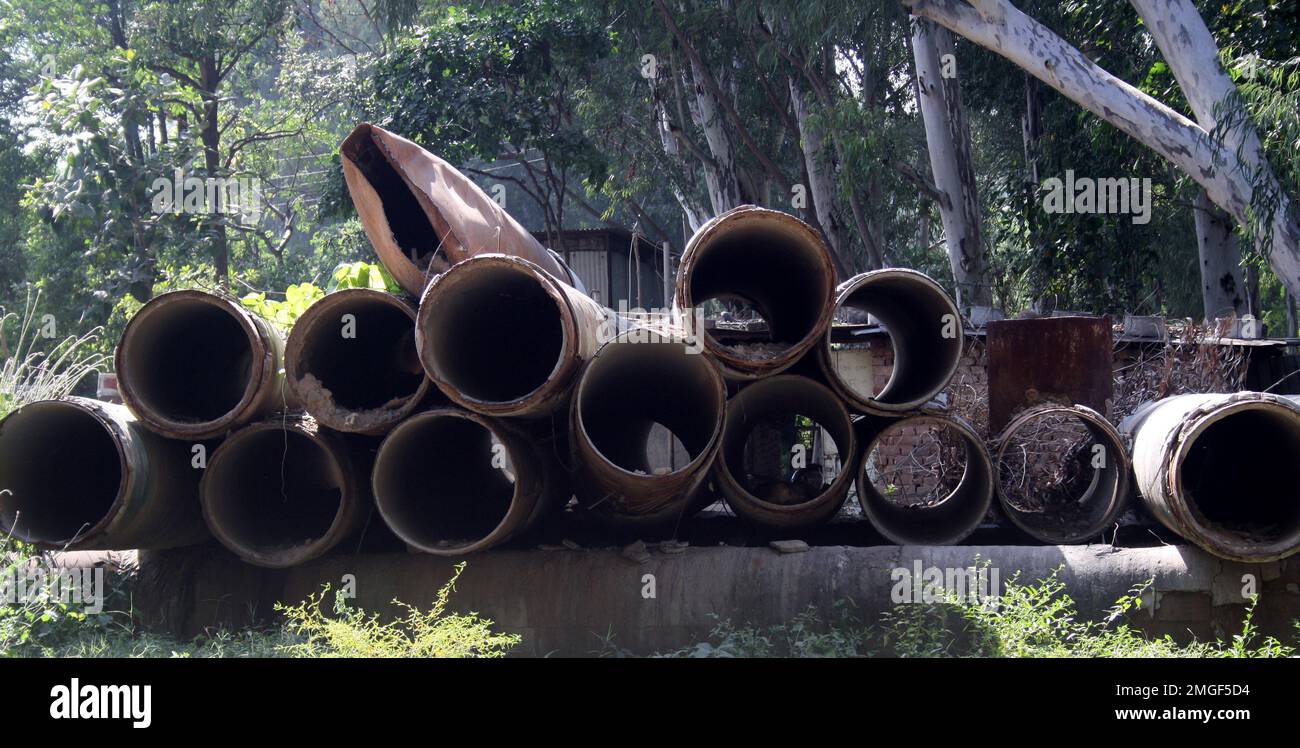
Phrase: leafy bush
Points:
(351, 632)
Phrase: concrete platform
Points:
(565, 601)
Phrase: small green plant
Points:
(32, 372)
(284, 313)
(352, 632)
(363, 275)
(38, 620)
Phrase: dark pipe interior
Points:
(495, 336)
(631, 387)
(955, 515)
(61, 469)
(272, 490)
(1242, 475)
(410, 227)
(377, 366)
(437, 485)
(190, 361)
(779, 402)
(766, 268)
(771, 472)
(912, 313)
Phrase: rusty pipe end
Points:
(1082, 514)
(450, 482)
(194, 365)
(351, 361)
(785, 500)
(281, 492)
(500, 336)
(925, 332)
(954, 515)
(772, 261)
(640, 385)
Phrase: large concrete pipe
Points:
(954, 511)
(801, 496)
(924, 330)
(1222, 470)
(284, 491)
(193, 365)
(352, 363)
(1087, 471)
(422, 215)
(773, 262)
(80, 474)
(636, 381)
(449, 482)
(501, 337)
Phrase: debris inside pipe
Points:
(194, 365)
(639, 390)
(926, 479)
(501, 337)
(767, 279)
(282, 492)
(449, 482)
(1222, 470)
(924, 329)
(352, 362)
(80, 474)
(1062, 473)
(789, 452)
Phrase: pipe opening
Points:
(376, 367)
(1059, 475)
(410, 226)
(494, 335)
(924, 334)
(632, 391)
(765, 271)
(272, 491)
(1240, 476)
(443, 482)
(926, 479)
(61, 470)
(190, 360)
(786, 460)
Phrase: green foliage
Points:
(363, 275)
(351, 632)
(35, 368)
(283, 312)
(40, 621)
(1028, 620)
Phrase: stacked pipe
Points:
(463, 412)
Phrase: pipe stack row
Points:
(498, 392)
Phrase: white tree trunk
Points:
(720, 177)
(1222, 291)
(948, 141)
(695, 214)
(1000, 27)
(821, 175)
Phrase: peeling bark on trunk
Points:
(1000, 27)
(720, 177)
(820, 173)
(948, 141)
(1222, 291)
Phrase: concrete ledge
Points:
(564, 601)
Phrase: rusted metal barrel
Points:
(1222, 470)
(1099, 465)
(805, 494)
(638, 380)
(450, 482)
(283, 491)
(79, 474)
(352, 363)
(949, 518)
(924, 330)
(423, 215)
(773, 262)
(194, 365)
(501, 337)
